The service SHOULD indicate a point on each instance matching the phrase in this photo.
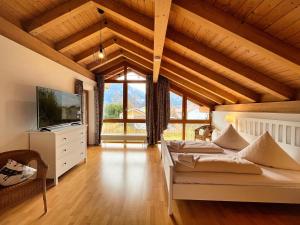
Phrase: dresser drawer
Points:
(70, 148)
(66, 138)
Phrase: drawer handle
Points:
(65, 139)
(82, 142)
(65, 150)
(65, 163)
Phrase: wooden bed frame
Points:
(284, 132)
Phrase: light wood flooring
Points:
(124, 186)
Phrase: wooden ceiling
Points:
(220, 51)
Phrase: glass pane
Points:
(136, 101)
(197, 112)
(132, 75)
(190, 130)
(175, 106)
(136, 128)
(174, 132)
(113, 101)
(113, 128)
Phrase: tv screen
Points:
(57, 107)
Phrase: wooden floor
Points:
(121, 185)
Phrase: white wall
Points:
(21, 70)
(218, 117)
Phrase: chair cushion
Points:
(231, 139)
(13, 173)
(265, 151)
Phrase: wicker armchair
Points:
(16, 193)
(204, 132)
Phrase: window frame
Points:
(125, 83)
(184, 119)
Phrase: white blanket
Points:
(217, 163)
(193, 147)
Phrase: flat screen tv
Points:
(57, 108)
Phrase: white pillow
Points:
(265, 151)
(231, 139)
(14, 173)
(215, 134)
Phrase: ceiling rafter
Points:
(162, 12)
(18, 35)
(189, 95)
(55, 16)
(202, 83)
(271, 86)
(212, 76)
(108, 58)
(191, 92)
(248, 35)
(112, 63)
(175, 78)
(80, 36)
(138, 67)
(190, 85)
(91, 51)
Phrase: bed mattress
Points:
(270, 177)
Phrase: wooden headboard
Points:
(285, 133)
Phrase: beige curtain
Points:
(99, 97)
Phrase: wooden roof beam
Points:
(181, 89)
(55, 16)
(162, 12)
(201, 83)
(114, 68)
(80, 36)
(135, 66)
(134, 49)
(212, 76)
(123, 12)
(175, 77)
(248, 35)
(91, 51)
(203, 71)
(271, 86)
(191, 86)
(107, 59)
(110, 64)
(16, 34)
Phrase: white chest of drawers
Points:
(61, 148)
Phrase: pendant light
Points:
(101, 52)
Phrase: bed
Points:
(273, 186)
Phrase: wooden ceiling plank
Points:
(271, 86)
(135, 66)
(16, 34)
(190, 93)
(114, 68)
(123, 12)
(162, 12)
(202, 83)
(134, 49)
(137, 59)
(69, 42)
(248, 94)
(213, 76)
(91, 51)
(110, 64)
(246, 34)
(125, 33)
(55, 16)
(94, 65)
(190, 85)
(181, 89)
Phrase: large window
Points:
(125, 104)
(186, 115)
